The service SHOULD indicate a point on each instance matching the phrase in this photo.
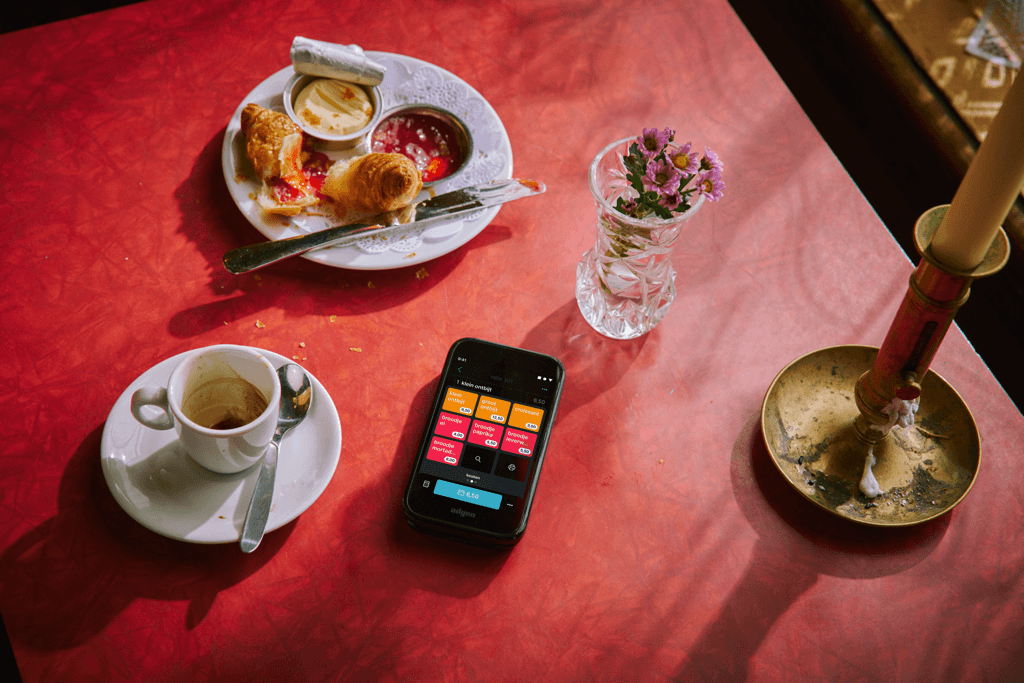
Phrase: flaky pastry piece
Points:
(373, 183)
(273, 143)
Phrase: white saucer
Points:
(164, 490)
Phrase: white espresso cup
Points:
(223, 401)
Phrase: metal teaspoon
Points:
(296, 397)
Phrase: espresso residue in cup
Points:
(225, 403)
(231, 422)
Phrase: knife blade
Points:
(465, 200)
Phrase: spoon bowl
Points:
(296, 398)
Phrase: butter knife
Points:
(253, 256)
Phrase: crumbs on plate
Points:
(422, 273)
(355, 348)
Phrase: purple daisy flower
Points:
(652, 141)
(628, 207)
(710, 161)
(710, 184)
(684, 160)
(670, 200)
(661, 177)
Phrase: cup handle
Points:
(157, 397)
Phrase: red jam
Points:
(429, 141)
(314, 170)
(284, 191)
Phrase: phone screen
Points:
(482, 450)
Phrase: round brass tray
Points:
(924, 471)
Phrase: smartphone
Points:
(478, 463)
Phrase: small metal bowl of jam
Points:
(316, 104)
(435, 139)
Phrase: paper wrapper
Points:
(329, 60)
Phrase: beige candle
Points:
(988, 190)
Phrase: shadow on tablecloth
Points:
(797, 544)
(71, 575)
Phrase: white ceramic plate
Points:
(407, 81)
(163, 489)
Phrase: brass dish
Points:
(924, 471)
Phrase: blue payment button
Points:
(468, 494)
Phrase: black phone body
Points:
(478, 463)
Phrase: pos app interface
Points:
(484, 438)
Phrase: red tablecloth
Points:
(662, 544)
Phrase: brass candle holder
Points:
(826, 411)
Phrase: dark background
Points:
(26, 13)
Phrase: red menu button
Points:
(443, 450)
(520, 443)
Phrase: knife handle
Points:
(253, 256)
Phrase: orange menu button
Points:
(493, 409)
(525, 417)
(458, 401)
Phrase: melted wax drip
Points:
(900, 413)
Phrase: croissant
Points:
(373, 183)
(273, 143)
